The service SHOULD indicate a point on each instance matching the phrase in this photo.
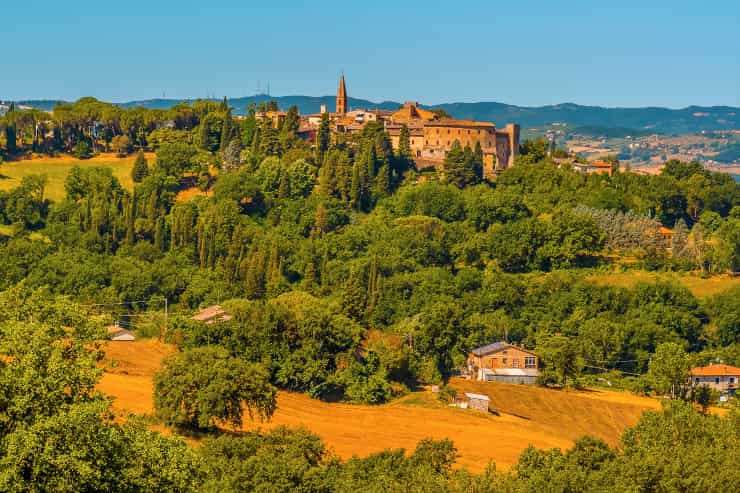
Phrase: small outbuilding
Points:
(479, 402)
(118, 333)
(523, 376)
(212, 314)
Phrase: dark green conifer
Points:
(140, 169)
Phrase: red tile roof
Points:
(715, 371)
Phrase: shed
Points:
(118, 333)
(479, 402)
(212, 314)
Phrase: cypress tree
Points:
(159, 235)
(454, 165)
(383, 181)
(284, 187)
(372, 285)
(477, 163)
(404, 160)
(309, 276)
(204, 134)
(140, 169)
(292, 121)
(322, 138)
(254, 282)
(355, 190)
(226, 132)
(354, 296)
(10, 130)
(321, 222)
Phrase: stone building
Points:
(503, 362)
(431, 137)
(430, 134)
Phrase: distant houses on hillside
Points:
(722, 378)
(503, 362)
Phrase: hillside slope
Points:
(529, 415)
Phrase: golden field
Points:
(57, 168)
(699, 286)
(528, 415)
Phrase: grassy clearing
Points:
(529, 415)
(57, 168)
(699, 286)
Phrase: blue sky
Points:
(623, 53)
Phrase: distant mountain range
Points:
(643, 120)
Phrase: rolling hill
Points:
(649, 119)
(528, 415)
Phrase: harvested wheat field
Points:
(699, 286)
(529, 415)
(129, 368)
(56, 170)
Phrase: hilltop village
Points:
(317, 271)
(431, 134)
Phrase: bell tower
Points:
(341, 97)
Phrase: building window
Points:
(697, 380)
(732, 379)
(504, 360)
(515, 363)
(530, 362)
(716, 380)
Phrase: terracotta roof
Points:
(453, 122)
(715, 371)
(600, 164)
(665, 231)
(412, 112)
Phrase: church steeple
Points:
(341, 97)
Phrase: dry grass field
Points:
(57, 168)
(699, 286)
(529, 415)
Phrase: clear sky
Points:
(610, 53)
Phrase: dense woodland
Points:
(350, 277)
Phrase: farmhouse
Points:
(594, 167)
(723, 378)
(212, 314)
(503, 362)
